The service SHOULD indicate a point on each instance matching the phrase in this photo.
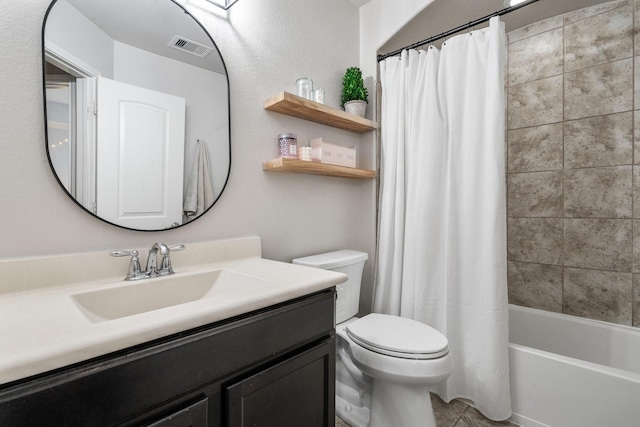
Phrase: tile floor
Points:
(454, 414)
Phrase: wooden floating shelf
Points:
(293, 105)
(283, 164)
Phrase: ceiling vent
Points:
(190, 46)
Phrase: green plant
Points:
(353, 86)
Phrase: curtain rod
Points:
(457, 29)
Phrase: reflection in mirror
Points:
(137, 110)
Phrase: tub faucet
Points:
(152, 270)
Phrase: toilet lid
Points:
(398, 337)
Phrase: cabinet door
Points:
(299, 391)
(194, 415)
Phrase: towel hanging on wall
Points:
(200, 189)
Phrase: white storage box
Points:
(332, 154)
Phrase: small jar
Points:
(318, 96)
(288, 145)
(304, 86)
(304, 153)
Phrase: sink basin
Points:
(147, 295)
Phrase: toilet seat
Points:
(397, 337)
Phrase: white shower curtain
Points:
(442, 229)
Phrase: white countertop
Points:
(42, 329)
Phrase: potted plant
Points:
(354, 95)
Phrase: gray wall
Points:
(573, 177)
(266, 45)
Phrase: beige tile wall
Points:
(573, 163)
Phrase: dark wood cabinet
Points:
(272, 367)
(194, 415)
(283, 395)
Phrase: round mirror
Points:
(136, 110)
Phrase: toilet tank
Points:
(348, 262)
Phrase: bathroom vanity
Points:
(252, 356)
(272, 367)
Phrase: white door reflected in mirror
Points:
(140, 155)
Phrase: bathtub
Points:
(568, 371)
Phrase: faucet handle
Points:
(165, 266)
(134, 272)
(120, 253)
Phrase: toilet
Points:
(386, 364)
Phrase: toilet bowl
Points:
(386, 364)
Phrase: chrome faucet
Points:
(165, 264)
(152, 270)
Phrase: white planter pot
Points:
(357, 108)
